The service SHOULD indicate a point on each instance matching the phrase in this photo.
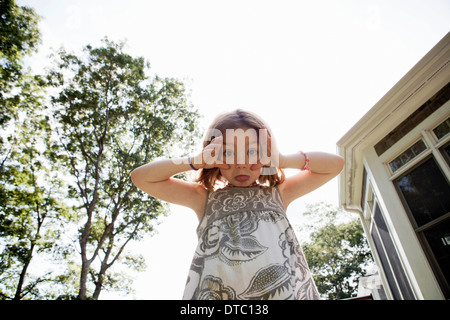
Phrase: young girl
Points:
(247, 249)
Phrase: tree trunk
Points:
(101, 274)
(98, 285)
(83, 280)
(18, 294)
(85, 263)
(40, 221)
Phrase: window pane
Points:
(438, 238)
(442, 129)
(426, 192)
(385, 264)
(407, 155)
(393, 257)
(445, 151)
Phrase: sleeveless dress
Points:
(247, 250)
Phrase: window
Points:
(416, 149)
(385, 249)
(417, 117)
(425, 191)
(421, 177)
(443, 129)
(438, 238)
(445, 151)
(392, 266)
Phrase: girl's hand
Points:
(268, 156)
(211, 156)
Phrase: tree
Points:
(19, 36)
(111, 118)
(32, 215)
(30, 212)
(337, 251)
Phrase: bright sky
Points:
(311, 69)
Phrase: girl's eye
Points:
(252, 152)
(228, 153)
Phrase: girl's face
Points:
(240, 152)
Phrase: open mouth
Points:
(242, 178)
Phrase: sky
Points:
(310, 69)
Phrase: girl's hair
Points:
(238, 119)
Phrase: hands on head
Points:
(214, 156)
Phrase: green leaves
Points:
(19, 36)
(31, 211)
(337, 251)
(66, 158)
(111, 118)
(66, 161)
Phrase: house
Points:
(396, 178)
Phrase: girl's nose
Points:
(242, 160)
(241, 165)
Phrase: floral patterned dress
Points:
(247, 250)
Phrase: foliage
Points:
(31, 215)
(66, 160)
(19, 36)
(337, 251)
(110, 118)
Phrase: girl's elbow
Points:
(134, 176)
(340, 162)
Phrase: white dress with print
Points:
(247, 250)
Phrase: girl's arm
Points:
(156, 179)
(324, 167)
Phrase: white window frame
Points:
(425, 132)
(370, 202)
